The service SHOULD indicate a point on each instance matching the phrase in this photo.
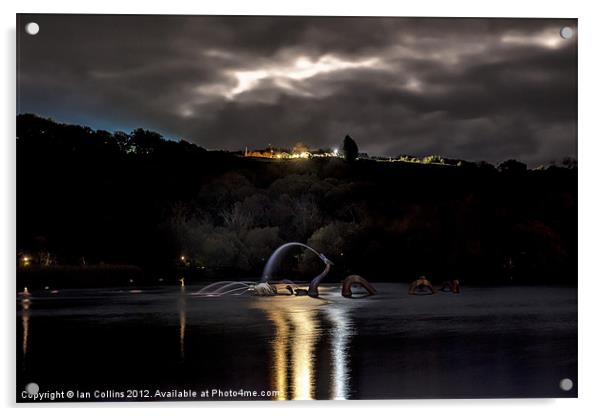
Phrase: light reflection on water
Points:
(299, 324)
(341, 333)
(182, 307)
(25, 323)
(297, 330)
(308, 343)
(280, 352)
(303, 339)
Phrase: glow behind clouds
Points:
(282, 75)
(301, 69)
(476, 89)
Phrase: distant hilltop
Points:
(142, 142)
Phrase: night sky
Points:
(475, 89)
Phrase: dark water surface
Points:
(484, 342)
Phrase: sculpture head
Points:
(326, 260)
(264, 289)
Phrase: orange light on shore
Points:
(285, 155)
(302, 155)
(25, 261)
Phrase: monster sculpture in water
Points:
(452, 286)
(264, 288)
(268, 287)
(355, 279)
(313, 285)
(421, 286)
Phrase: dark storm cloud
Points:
(488, 89)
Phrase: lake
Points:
(484, 342)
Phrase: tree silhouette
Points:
(350, 150)
(513, 166)
(139, 202)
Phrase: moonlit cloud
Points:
(549, 38)
(283, 75)
(477, 89)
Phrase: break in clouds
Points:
(475, 89)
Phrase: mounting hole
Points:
(32, 28)
(566, 384)
(566, 32)
(32, 388)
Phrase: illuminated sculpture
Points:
(355, 279)
(269, 287)
(450, 286)
(419, 286)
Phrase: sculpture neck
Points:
(313, 285)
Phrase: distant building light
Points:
(26, 261)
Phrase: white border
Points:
(589, 159)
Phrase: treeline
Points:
(172, 208)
